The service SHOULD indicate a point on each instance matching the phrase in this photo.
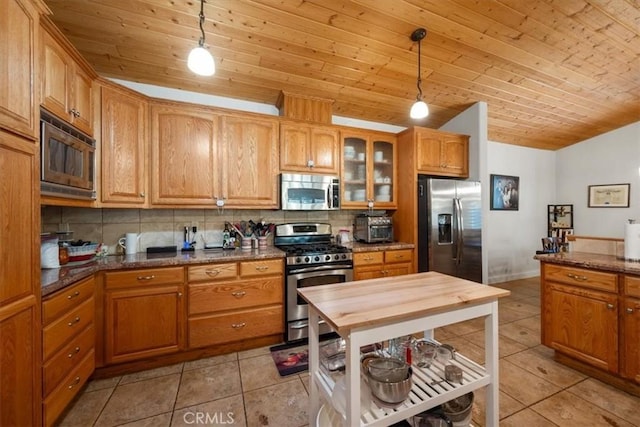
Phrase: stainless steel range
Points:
(312, 260)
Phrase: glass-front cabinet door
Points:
(368, 172)
(355, 171)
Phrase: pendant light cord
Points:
(201, 16)
(419, 82)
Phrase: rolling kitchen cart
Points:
(369, 311)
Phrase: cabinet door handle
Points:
(74, 295)
(179, 294)
(610, 306)
(576, 277)
(146, 277)
(74, 321)
(238, 325)
(629, 310)
(262, 267)
(238, 294)
(74, 352)
(212, 272)
(142, 194)
(74, 383)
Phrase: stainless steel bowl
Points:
(388, 369)
(391, 392)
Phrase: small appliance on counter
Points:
(373, 227)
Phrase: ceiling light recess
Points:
(420, 109)
(200, 60)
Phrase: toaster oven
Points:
(373, 228)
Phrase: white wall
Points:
(513, 237)
(610, 158)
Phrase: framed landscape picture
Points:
(505, 192)
(609, 196)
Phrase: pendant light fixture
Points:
(420, 109)
(200, 60)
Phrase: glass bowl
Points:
(388, 369)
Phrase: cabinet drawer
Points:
(56, 334)
(367, 258)
(632, 286)
(236, 326)
(261, 268)
(146, 277)
(206, 298)
(211, 272)
(58, 400)
(581, 277)
(67, 358)
(402, 255)
(66, 299)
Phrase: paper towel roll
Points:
(632, 242)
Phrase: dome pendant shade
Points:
(419, 110)
(201, 62)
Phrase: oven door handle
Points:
(321, 268)
(306, 324)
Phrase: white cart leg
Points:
(314, 365)
(491, 365)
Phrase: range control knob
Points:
(298, 260)
(306, 259)
(317, 258)
(337, 257)
(344, 256)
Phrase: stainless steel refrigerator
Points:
(449, 227)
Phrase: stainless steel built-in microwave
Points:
(309, 192)
(67, 160)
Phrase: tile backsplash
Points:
(164, 227)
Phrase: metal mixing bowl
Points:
(388, 369)
(391, 392)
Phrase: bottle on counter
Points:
(226, 237)
(233, 237)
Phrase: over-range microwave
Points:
(299, 192)
(67, 160)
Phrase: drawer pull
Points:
(76, 294)
(399, 256)
(262, 267)
(212, 272)
(576, 277)
(238, 294)
(74, 321)
(238, 325)
(610, 306)
(146, 277)
(368, 258)
(75, 351)
(629, 310)
(74, 383)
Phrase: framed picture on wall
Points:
(505, 192)
(609, 196)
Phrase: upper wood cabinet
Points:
(183, 155)
(66, 83)
(368, 169)
(19, 44)
(309, 148)
(442, 153)
(249, 161)
(199, 157)
(435, 152)
(123, 147)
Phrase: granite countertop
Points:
(374, 247)
(591, 260)
(57, 278)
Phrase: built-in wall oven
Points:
(312, 260)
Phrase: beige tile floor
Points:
(244, 389)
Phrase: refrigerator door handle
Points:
(459, 229)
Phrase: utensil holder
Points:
(262, 242)
(245, 245)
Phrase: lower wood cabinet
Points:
(144, 313)
(389, 263)
(592, 316)
(68, 345)
(231, 302)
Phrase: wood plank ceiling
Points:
(553, 72)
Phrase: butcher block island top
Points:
(350, 305)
